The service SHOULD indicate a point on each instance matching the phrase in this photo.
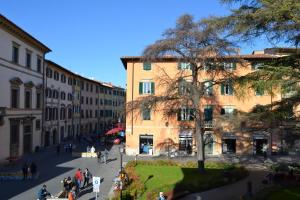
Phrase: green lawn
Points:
(287, 193)
(179, 178)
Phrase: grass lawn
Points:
(286, 193)
(166, 178)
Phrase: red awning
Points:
(114, 131)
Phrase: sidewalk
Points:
(233, 191)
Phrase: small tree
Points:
(200, 48)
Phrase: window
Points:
(38, 100)
(97, 101)
(186, 114)
(69, 97)
(86, 100)
(146, 87)
(229, 66)
(256, 65)
(82, 100)
(183, 87)
(259, 91)
(28, 59)
(87, 114)
(227, 110)
(39, 64)
(70, 81)
(227, 88)
(87, 87)
(82, 114)
(70, 113)
(27, 99)
(146, 114)
(184, 65)
(82, 85)
(38, 124)
(15, 53)
(146, 66)
(62, 95)
(208, 88)
(62, 113)
(56, 75)
(91, 114)
(91, 101)
(15, 98)
(91, 88)
(208, 113)
(62, 78)
(49, 72)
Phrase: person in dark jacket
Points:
(33, 170)
(25, 171)
(87, 176)
(43, 193)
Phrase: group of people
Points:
(29, 169)
(71, 186)
(102, 157)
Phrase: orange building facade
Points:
(150, 133)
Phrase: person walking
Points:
(78, 178)
(105, 156)
(99, 156)
(43, 193)
(25, 171)
(33, 170)
(87, 176)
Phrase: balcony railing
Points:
(208, 124)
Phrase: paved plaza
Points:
(52, 169)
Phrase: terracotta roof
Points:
(126, 59)
(19, 32)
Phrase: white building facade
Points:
(21, 89)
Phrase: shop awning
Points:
(114, 131)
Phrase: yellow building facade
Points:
(150, 133)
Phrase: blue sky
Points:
(89, 36)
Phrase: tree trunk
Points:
(200, 147)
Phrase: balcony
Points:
(208, 124)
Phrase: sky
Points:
(88, 37)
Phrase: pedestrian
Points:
(99, 156)
(57, 149)
(43, 193)
(87, 176)
(93, 149)
(88, 149)
(25, 171)
(264, 149)
(33, 170)
(71, 147)
(72, 193)
(105, 156)
(161, 196)
(78, 178)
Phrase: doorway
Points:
(146, 144)
(27, 138)
(228, 146)
(47, 138)
(259, 145)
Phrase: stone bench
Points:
(88, 155)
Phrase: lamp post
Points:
(121, 149)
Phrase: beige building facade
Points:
(151, 133)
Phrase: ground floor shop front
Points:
(183, 142)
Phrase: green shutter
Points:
(147, 66)
(222, 89)
(152, 88)
(141, 88)
(234, 66)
